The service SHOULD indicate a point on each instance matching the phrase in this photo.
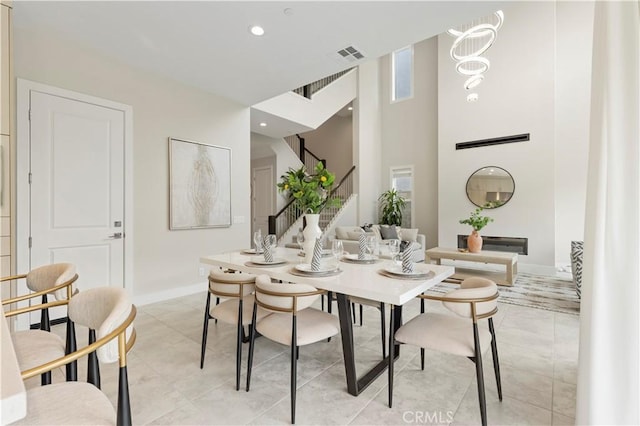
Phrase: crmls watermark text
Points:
(427, 417)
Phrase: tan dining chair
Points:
(35, 347)
(457, 334)
(109, 311)
(293, 322)
(236, 310)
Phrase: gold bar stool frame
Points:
(35, 347)
(236, 310)
(457, 335)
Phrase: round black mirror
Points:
(490, 187)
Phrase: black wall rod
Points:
(493, 141)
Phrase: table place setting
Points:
(260, 262)
(325, 253)
(396, 271)
(251, 251)
(268, 260)
(407, 269)
(355, 258)
(367, 248)
(316, 268)
(258, 243)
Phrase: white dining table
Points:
(355, 279)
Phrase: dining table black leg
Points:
(346, 333)
(356, 385)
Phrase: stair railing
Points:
(289, 214)
(308, 158)
(343, 191)
(309, 89)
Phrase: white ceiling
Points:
(206, 44)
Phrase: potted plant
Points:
(477, 222)
(391, 206)
(311, 194)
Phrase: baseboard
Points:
(161, 296)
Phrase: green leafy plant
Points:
(391, 205)
(310, 192)
(476, 220)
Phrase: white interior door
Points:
(262, 198)
(77, 189)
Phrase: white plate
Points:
(305, 267)
(251, 251)
(397, 270)
(261, 261)
(355, 258)
(325, 253)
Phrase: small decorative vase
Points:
(310, 232)
(474, 242)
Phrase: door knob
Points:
(115, 236)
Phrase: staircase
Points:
(288, 220)
(301, 114)
(306, 108)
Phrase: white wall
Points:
(410, 134)
(367, 146)
(333, 141)
(311, 113)
(165, 262)
(264, 162)
(285, 158)
(574, 34)
(517, 96)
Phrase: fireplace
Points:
(506, 244)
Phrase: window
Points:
(402, 181)
(402, 74)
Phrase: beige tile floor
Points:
(538, 355)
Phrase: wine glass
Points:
(257, 240)
(337, 249)
(300, 238)
(372, 245)
(394, 249)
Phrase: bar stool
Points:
(238, 290)
(35, 347)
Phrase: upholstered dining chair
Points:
(238, 290)
(292, 322)
(109, 311)
(35, 347)
(475, 300)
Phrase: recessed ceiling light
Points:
(256, 30)
(263, 124)
(350, 108)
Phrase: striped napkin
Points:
(317, 254)
(266, 248)
(407, 259)
(362, 246)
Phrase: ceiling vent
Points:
(350, 54)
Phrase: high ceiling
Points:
(207, 44)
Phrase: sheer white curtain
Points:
(608, 372)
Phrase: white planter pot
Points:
(310, 232)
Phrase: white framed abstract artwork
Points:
(199, 185)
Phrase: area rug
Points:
(534, 291)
